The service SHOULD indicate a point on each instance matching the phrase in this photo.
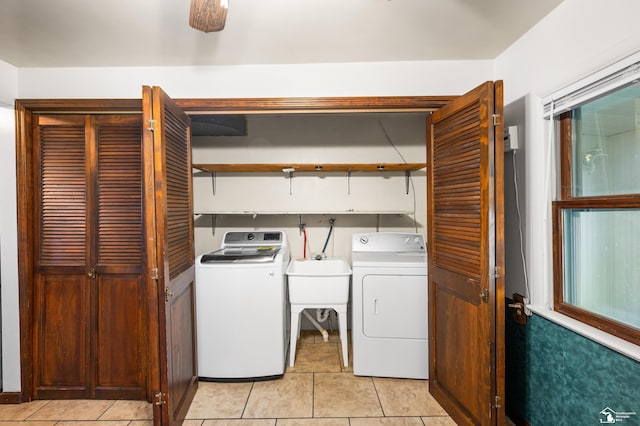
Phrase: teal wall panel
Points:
(555, 376)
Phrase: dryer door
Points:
(395, 306)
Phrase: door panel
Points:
(119, 193)
(119, 340)
(63, 309)
(121, 334)
(465, 223)
(62, 191)
(89, 302)
(62, 296)
(169, 225)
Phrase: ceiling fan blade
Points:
(208, 15)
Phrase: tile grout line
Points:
(246, 401)
(378, 396)
(106, 409)
(43, 405)
(313, 395)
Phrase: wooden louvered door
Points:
(121, 320)
(89, 334)
(465, 222)
(169, 224)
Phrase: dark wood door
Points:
(89, 337)
(466, 256)
(169, 224)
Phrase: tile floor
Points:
(317, 391)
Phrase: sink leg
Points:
(295, 334)
(342, 324)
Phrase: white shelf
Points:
(348, 212)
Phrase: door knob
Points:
(92, 273)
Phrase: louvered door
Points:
(120, 340)
(169, 224)
(62, 302)
(465, 222)
(89, 302)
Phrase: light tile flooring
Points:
(317, 391)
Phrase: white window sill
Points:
(599, 336)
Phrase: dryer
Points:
(389, 325)
(242, 308)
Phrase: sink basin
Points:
(317, 282)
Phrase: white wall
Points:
(353, 79)
(576, 39)
(318, 196)
(9, 335)
(349, 79)
(8, 83)
(10, 344)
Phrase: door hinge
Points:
(496, 120)
(154, 273)
(151, 122)
(496, 402)
(496, 272)
(167, 294)
(160, 398)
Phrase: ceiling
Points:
(85, 33)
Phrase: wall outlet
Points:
(520, 311)
(510, 138)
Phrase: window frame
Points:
(567, 201)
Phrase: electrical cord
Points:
(413, 188)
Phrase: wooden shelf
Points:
(304, 212)
(270, 168)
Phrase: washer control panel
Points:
(253, 238)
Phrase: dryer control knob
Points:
(364, 239)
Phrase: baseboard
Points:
(11, 398)
(517, 418)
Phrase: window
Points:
(596, 232)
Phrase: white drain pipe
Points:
(322, 314)
(316, 324)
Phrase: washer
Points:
(242, 308)
(389, 304)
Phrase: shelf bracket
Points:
(407, 177)
(214, 220)
(289, 171)
(213, 182)
(348, 182)
(378, 223)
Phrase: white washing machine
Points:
(389, 305)
(242, 307)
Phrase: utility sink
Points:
(318, 282)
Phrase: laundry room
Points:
(358, 201)
(306, 184)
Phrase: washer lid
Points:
(262, 254)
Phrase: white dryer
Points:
(242, 308)
(389, 305)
